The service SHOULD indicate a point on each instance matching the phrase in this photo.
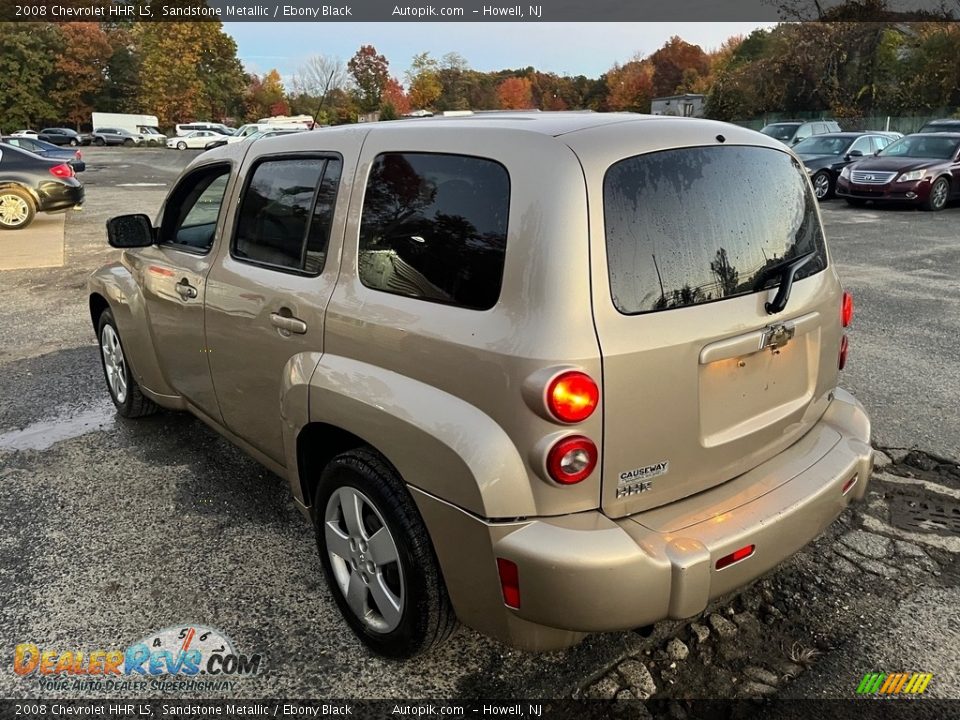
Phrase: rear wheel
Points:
(939, 192)
(74, 142)
(123, 388)
(16, 209)
(377, 557)
(822, 185)
(99, 142)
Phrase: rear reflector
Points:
(844, 345)
(735, 556)
(572, 459)
(848, 485)
(509, 582)
(846, 309)
(62, 171)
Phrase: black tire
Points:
(99, 142)
(822, 185)
(856, 202)
(181, 145)
(134, 403)
(74, 142)
(939, 194)
(128, 142)
(426, 618)
(17, 197)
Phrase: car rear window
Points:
(696, 225)
(434, 227)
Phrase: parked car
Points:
(24, 133)
(945, 125)
(825, 156)
(197, 139)
(64, 136)
(48, 150)
(923, 169)
(30, 184)
(790, 132)
(152, 136)
(115, 136)
(449, 336)
(185, 129)
(265, 133)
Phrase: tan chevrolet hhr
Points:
(547, 373)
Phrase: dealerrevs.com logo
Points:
(182, 658)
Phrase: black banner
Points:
(473, 10)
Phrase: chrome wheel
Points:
(14, 210)
(821, 185)
(938, 194)
(364, 559)
(114, 363)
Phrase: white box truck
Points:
(144, 125)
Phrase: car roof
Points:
(953, 134)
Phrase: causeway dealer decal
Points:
(638, 480)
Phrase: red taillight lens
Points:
(572, 459)
(62, 171)
(735, 556)
(846, 309)
(509, 582)
(572, 396)
(843, 352)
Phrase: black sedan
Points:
(30, 184)
(825, 156)
(48, 150)
(64, 136)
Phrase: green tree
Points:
(423, 79)
(27, 61)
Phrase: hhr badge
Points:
(638, 480)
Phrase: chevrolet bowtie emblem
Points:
(776, 336)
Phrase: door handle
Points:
(186, 290)
(290, 324)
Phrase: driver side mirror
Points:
(130, 231)
(854, 154)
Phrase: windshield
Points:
(822, 145)
(923, 146)
(681, 232)
(780, 131)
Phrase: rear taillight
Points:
(846, 309)
(571, 459)
(843, 352)
(572, 396)
(63, 170)
(509, 582)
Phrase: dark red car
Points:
(923, 169)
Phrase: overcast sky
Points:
(564, 48)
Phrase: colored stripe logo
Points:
(894, 683)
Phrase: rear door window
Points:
(696, 225)
(434, 227)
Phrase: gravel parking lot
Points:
(115, 529)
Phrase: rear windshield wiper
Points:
(787, 270)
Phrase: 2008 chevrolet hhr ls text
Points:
(547, 373)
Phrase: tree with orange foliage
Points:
(673, 63)
(630, 86)
(395, 96)
(81, 68)
(515, 93)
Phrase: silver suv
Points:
(550, 374)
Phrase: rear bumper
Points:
(588, 573)
(59, 196)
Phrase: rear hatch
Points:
(701, 381)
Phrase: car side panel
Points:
(117, 285)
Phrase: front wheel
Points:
(127, 142)
(123, 388)
(939, 192)
(377, 557)
(822, 185)
(181, 146)
(16, 209)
